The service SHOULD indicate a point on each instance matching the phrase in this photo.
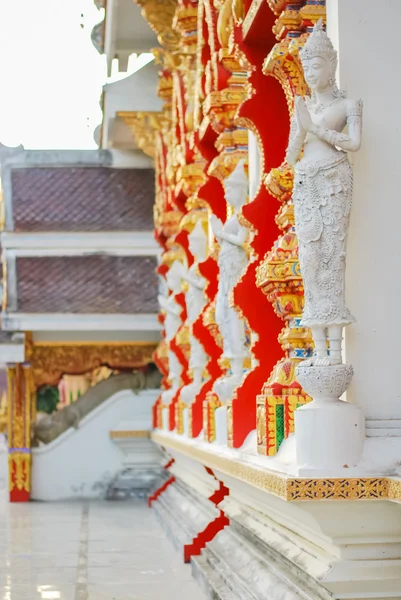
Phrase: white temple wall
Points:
(82, 462)
(366, 35)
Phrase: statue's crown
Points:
(199, 232)
(319, 44)
(175, 269)
(238, 176)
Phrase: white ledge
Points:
(79, 322)
(118, 243)
(275, 478)
(11, 353)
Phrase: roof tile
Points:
(87, 284)
(82, 199)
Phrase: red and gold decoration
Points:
(278, 275)
(21, 393)
(229, 68)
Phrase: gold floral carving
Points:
(394, 489)
(19, 469)
(250, 15)
(189, 220)
(210, 404)
(143, 125)
(176, 252)
(313, 12)
(51, 361)
(288, 488)
(179, 416)
(185, 22)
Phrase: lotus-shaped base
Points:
(325, 382)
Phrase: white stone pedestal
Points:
(165, 418)
(328, 435)
(185, 420)
(220, 416)
(329, 432)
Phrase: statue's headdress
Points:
(319, 44)
(199, 231)
(175, 269)
(238, 176)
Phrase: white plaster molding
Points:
(11, 353)
(117, 243)
(324, 549)
(130, 159)
(383, 427)
(350, 548)
(11, 283)
(79, 322)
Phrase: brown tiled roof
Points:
(87, 284)
(82, 199)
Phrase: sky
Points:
(51, 76)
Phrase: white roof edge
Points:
(18, 321)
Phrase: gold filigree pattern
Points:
(289, 489)
(210, 404)
(51, 361)
(120, 434)
(143, 125)
(160, 14)
(19, 469)
(179, 417)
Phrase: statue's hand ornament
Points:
(217, 225)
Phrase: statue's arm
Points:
(350, 142)
(166, 305)
(295, 142)
(192, 279)
(238, 239)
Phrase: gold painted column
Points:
(20, 409)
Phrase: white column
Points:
(254, 164)
(368, 44)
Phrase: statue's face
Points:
(235, 193)
(317, 73)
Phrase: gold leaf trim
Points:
(288, 488)
(137, 433)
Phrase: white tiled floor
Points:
(95, 551)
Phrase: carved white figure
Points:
(171, 325)
(195, 302)
(232, 261)
(323, 193)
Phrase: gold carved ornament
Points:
(289, 489)
(19, 406)
(50, 361)
(143, 125)
(19, 471)
(160, 14)
(20, 393)
(119, 434)
(185, 23)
